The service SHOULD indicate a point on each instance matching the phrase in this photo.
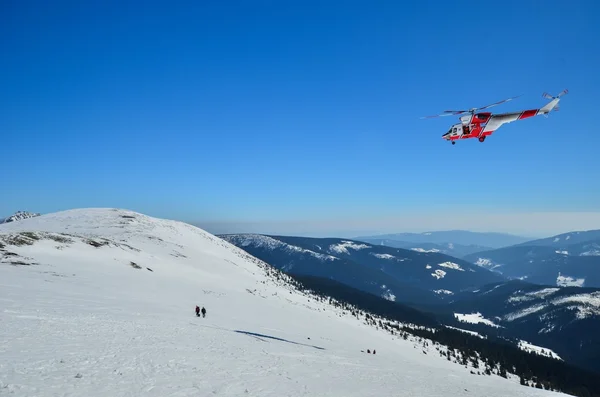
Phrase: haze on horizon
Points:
(533, 225)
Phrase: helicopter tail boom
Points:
(553, 104)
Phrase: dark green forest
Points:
(491, 356)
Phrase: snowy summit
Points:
(100, 302)
(19, 215)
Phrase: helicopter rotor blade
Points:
(437, 115)
(498, 103)
(473, 110)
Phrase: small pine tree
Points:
(503, 371)
(538, 385)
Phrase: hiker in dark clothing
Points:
(203, 312)
(197, 311)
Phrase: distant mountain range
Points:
(452, 249)
(569, 259)
(393, 273)
(454, 237)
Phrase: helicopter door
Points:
(457, 130)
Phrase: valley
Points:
(113, 291)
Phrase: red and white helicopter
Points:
(477, 124)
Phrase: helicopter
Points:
(478, 124)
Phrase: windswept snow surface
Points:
(566, 281)
(451, 265)
(474, 318)
(487, 264)
(18, 216)
(466, 331)
(424, 250)
(523, 345)
(107, 310)
(530, 296)
(383, 256)
(585, 305)
(342, 248)
(267, 242)
(388, 294)
(592, 252)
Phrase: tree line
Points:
(489, 356)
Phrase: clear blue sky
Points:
(267, 111)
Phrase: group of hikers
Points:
(198, 311)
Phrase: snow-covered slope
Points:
(99, 302)
(19, 215)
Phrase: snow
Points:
(424, 250)
(438, 274)
(342, 248)
(594, 252)
(85, 321)
(388, 294)
(566, 281)
(525, 312)
(443, 291)
(526, 346)
(568, 237)
(451, 246)
(467, 332)
(562, 252)
(586, 304)
(383, 256)
(556, 239)
(490, 290)
(427, 266)
(18, 216)
(261, 241)
(474, 318)
(451, 265)
(487, 263)
(541, 294)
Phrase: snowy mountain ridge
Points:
(447, 238)
(569, 259)
(395, 273)
(19, 215)
(111, 292)
(270, 243)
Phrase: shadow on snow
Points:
(276, 338)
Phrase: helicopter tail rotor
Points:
(548, 96)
